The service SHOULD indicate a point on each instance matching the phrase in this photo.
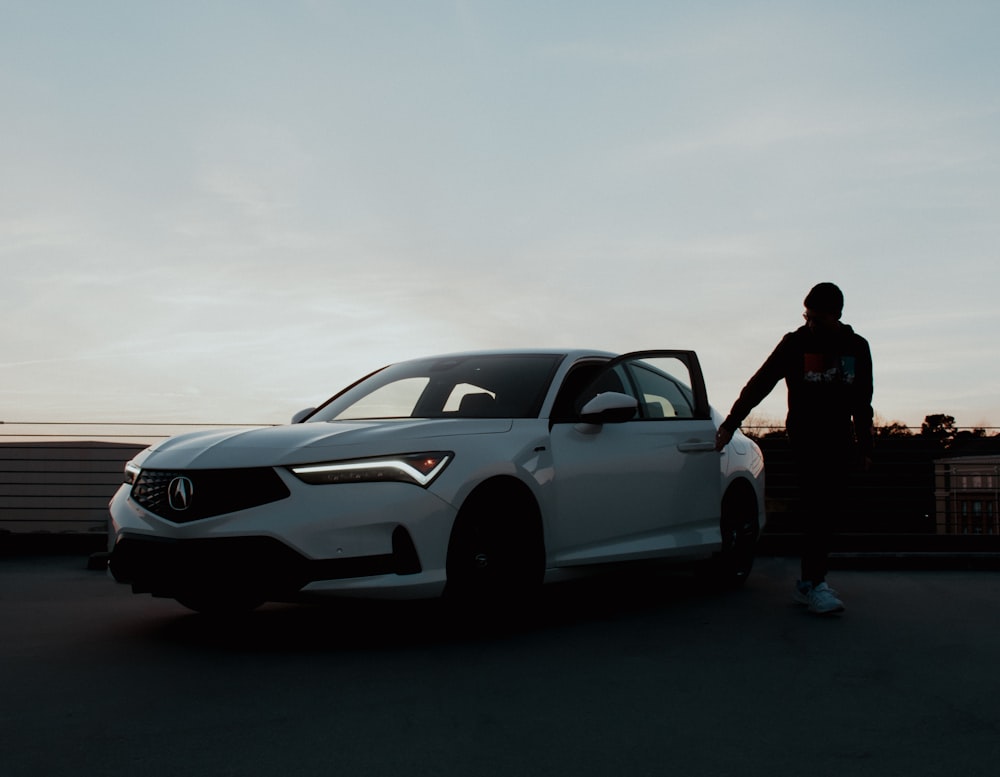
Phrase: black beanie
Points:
(825, 298)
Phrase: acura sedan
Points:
(474, 476)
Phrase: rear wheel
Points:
(740, 527)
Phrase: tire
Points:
(495, 554)
(740, 528)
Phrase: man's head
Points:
(824, 304)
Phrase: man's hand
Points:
(722, 438)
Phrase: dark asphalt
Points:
(643, 676)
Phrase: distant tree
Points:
(938, 428)
(972, 441)
(758, 426)
(892, 429)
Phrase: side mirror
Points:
(610, 407)
(302, 415)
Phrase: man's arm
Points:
(756, 389)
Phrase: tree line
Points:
(938, 431)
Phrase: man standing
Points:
(828, 371)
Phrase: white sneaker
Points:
(802, 590)
(800, 594)
(823, 600)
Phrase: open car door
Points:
(639, 484)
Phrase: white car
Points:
(471, 475)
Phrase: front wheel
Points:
(495, 553)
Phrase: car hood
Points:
(311, 442)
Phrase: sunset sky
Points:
(221, 212)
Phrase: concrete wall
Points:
(52, 487)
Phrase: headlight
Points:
(417, 468)
(131, 473)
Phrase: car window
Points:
(570, 397)
(613, 380)
(393, 400)
(477, 386)
(660, 393)
(465, 395)
(659, 384)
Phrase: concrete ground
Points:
(644, 675)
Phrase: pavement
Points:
(639, 675)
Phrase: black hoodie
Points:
(829, 379)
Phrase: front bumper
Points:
(369, 539)
(262, 565)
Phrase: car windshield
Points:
(478, 386)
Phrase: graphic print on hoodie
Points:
(829, 368)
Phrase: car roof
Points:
(572, 353)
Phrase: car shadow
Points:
(355, 624)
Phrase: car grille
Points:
(192, 495)
(170, 567)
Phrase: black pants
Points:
(822, 484)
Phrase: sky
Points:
(225, 211)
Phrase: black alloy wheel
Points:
(495, 554)
(740, 529)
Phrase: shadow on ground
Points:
(357, 624)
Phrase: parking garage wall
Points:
(59, 487)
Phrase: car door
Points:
(645, 487)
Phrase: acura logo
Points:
(179, 493)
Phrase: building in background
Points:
(965, 491)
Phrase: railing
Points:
(110, 431)
(916, 485)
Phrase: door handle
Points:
(696, 447)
